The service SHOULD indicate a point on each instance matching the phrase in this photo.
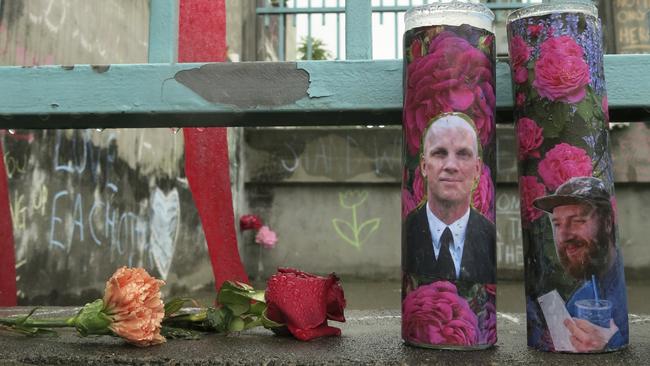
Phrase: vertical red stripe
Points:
(202, 38)
(7, 254)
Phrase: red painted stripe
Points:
(7, 253)
(202, 38)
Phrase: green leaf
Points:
(236, 325)
(179, 333)
(238, 309)
(254, 323)
(258, 308)
(218, 319)
(236, 286)
(230, 297)
(174, 305)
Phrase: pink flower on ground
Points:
(453, 76)
(529, 138)
(266, 237)
(487, 320)
(530, 189)
(436, 314)
(133, 301)
(521, 99)
(563, 162)
(519, 55)
(483, 197)
(561, 73)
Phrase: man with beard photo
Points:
(445, 238)
(585, 241)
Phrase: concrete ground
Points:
(369, 337)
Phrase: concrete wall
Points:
(301, 180)
(85, 202)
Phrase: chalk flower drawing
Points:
(354, 233)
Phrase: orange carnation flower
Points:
(133, 301)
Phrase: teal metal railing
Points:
(358, 32)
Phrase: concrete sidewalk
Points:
(369, 337)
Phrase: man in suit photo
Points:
(445, 237)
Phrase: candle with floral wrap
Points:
(575, 286)
(448, 231)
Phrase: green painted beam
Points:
(358, 30)
(163, 31)
(251, 94)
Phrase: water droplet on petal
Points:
(200, 129)
(99, 129)
(11, 132)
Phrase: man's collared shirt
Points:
(458, 229)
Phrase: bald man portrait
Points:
(446, 238)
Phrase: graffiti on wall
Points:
(354, 231)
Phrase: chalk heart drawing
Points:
(353, 232)
(164, 228)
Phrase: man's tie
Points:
(445, 264)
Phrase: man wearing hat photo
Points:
(584, 233)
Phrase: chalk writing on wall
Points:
(354, 232)
(509, 247)
(631, 19)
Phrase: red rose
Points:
(562, 163)
(483, 196)
(304, 302)
(529, 137)
(250, 222)
(521, 99)
(453, 76)
(530, 189)
(519, 55)
(560, 72)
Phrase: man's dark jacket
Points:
(479, 259)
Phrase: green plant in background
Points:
(318, 49)
(354, 233)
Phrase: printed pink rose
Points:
(436, 314)
(563, 162)
(521, 99)
(530, 189)
(416, 49)
(535, 30)
(483, 197)
(487, 320)
(561, 74)
(605, 107)
(519, 55)
(453, 76)
(411, 200)
(529, 138)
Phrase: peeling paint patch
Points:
(100, 68)
(247, 85)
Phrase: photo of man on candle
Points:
(584, 233)
(445, 238)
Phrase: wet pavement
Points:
(369, 337)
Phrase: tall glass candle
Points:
(575, 285)
(448, 215)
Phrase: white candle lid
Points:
(453, 13)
